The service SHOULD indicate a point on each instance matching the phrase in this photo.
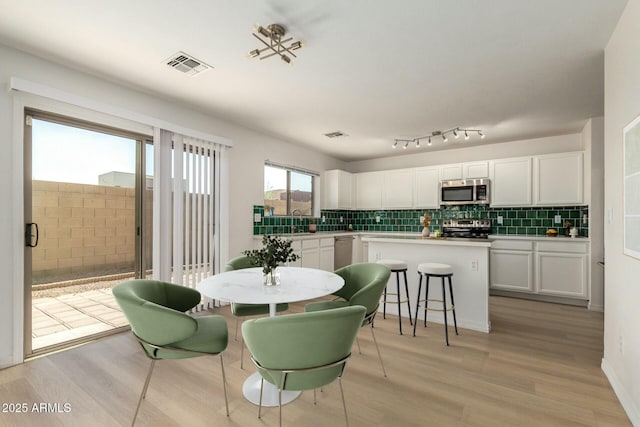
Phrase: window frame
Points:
(288, 170)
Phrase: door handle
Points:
(28, 235)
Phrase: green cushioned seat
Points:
(245, 310)
(363, 285)
(156, 312)
(303, 351)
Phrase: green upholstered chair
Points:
(156, 313)
(303, 351)
(363, 285)
(244, 310)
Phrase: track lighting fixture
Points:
(274, 43)
(443, 134)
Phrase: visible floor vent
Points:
(187, 64)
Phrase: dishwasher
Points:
(343, 247)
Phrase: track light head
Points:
(405, 145)
(395, 144)
(444, 138)
(429, 143)
(417, 142)
(455, 134)
(481, 134)
(466, 135)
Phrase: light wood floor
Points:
(540, 366)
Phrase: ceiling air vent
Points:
(187, 64)
(335, 134)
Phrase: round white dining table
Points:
(245, 286)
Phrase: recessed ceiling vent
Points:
(187, 64)
(335, 134)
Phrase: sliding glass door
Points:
(88, 221)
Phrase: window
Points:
(288, 190)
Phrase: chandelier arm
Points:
(273, 47)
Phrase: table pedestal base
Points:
(251, 390)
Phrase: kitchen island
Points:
(469, 259)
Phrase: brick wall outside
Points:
(84, 230)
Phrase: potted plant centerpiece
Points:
(275, 251)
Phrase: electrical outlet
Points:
(499, 220)
(474, 265)
(341, 219)
(620, 344)
(557, 219)
(377, 218)
(584, 219)
(324, 219)
(257, 217)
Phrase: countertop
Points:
(391, 234)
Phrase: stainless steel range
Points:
(467, 228)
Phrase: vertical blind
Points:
(188, 209)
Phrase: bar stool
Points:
(430, 269)
(397, 267)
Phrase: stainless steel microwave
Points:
(465, 192)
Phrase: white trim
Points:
(162, 205)
(623, 396)
(17, 199)
(22, 85)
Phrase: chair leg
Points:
(453, 304)
(444, 310)
(237, 322)
(260, 403)
(378, 350)
(144, 391)
(224, 385)
(398, 301)
(384, 304)
(406, 293)
(344, 403)
(315, 402)
(280, 406)
(242, 355)
(426, 298)
(418, 303)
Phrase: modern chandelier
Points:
(271, 37)
(456, 132)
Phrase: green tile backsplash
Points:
(526, 221)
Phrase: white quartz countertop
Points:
(419, 240)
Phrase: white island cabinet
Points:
(470, 261)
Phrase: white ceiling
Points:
(374, 69)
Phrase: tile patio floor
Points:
(66, 317)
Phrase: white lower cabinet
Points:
(326, 254)
(561, 269)
(296, 245)
(553, 268)
(511, 270)
(310, 253)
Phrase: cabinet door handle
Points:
(28, 235)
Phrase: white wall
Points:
(593, 139)
(246, 160)
(552, 144)
(621, 360)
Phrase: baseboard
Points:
(594, 307)
(539, 297)
(623, 396)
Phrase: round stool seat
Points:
(393, 264)
(435, 268)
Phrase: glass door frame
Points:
(140, 199)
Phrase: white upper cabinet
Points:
(427, 185)
(510, 182)
(397, 190)
(475, 170)
(558, 179)
(337, 189)
(450, 172)
(369, 190)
